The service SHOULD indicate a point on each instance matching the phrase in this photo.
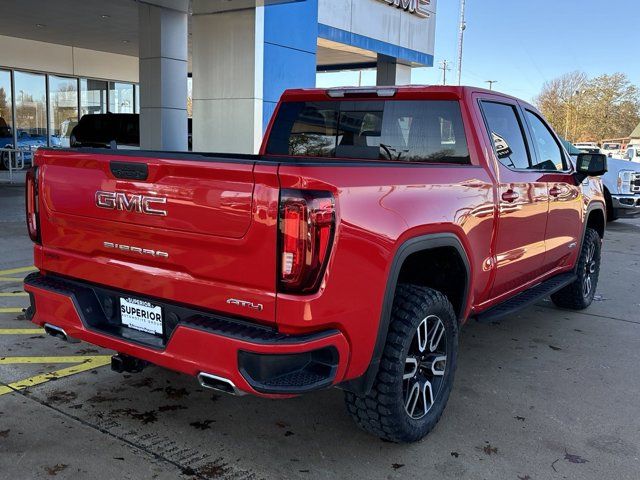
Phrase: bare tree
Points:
(580, 108)
(5, 111)
(558, 101)
(611, 107)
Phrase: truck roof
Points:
(402, 91)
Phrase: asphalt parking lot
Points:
(547, 394)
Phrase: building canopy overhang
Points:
(242, 53)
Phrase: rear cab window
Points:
(424, 131)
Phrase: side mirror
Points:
(590, 165)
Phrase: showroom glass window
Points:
(393, 130)
(6, 110)
(120, 97)
(137, 98)
(31, 110)
(63, 109)
(93, 96)
(190, 97)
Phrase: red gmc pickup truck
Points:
(372, 225)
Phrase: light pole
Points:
(463, 26)
(491, 82)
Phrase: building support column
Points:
(391, 71)
(163, 78)
(242, 61)
(227, 60)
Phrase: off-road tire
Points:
(574, 296)
(382, 411)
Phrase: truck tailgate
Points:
(195, 232)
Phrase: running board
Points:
(526, 298)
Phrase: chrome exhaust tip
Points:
(214, 382)
(59, 333)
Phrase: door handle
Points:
(555, 191)
(510, 196)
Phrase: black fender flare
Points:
(608, 202)
(363, 384)
(596, 205)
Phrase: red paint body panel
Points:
(220, 226)
(190, 351)
(377, 211)
(221, 236)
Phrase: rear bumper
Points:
(256, 359)
(626, 205)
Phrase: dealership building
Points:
(224, 62)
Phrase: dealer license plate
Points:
(141, 315)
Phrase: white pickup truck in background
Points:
(633, 153)
(613, 150)
(621, 182)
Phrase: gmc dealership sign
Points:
(412, 6)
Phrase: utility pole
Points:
(491, 82)
(463, 26)
(568, 114)
(444, 66)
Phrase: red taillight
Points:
(307, 223)
(31, 203)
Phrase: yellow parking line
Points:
(11, 310)
(49, 360)
(11, 271)
(21, 331)
(14, 294)
(89, 363)
(11, 279)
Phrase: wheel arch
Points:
(412, 246)
(596, 218)
(608, 203)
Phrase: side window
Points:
(506, 132)
(130, 129)
(93, 127)
(549, 152)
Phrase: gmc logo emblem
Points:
(412, 6)
(130, 202)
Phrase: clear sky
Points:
(523, 43)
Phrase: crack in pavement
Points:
(626, 254)
(591, 314)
